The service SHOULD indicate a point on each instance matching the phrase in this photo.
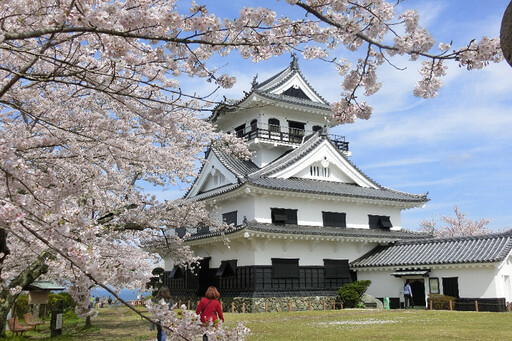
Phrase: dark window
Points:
(285, 268)
(229, 217)
(180, 232)
(284, 216)
(335, 268)
(226, 269)
(451, 286)
(254, 125)
(176, 273)
(316, 128)
(274, 125)
(203, 229)
(296, 128)
(334, 219)
(240, 130)
(379, 222)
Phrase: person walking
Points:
(409, 302)
(209, 308)
(163, 294)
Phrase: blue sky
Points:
(456, 146)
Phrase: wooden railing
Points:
(292, 135)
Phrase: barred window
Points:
(285, 268)
(283, 216)
(334, 219)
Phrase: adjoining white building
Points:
(305, 219)
(469, 268)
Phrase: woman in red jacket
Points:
(209, 307)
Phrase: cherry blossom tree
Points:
(458, 226)
(91, 104)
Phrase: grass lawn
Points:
(369, 324)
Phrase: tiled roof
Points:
(237, 166)
(311, 142)
(264, 89)
(282, 77)
(368, 234)
(216, 191)
(335, 188)
(45, 285)
(250, 174)
(457, 250)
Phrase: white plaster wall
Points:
(310, 211)
(473, 281)
(260, 251)
(479, 281)
(383, 284)
(504, 279)
(265, 153)
(309, 252)
(335, 174)
(238, 249)
(244, 207)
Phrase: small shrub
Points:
(21, 305)
(441, 302)
(68, 303)
(350, 294)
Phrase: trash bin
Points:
(386, 302)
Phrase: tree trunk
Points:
(88, 323)
(27, 276)
(506, 34)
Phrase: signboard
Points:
(58, 321)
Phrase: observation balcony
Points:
(289, 136)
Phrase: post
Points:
(341, 305)
(243, 308)
(232, 307)
(324, 305)
(309, 305)
(430, 304)
(188, 305)
(451, 304)
(221, 305)
(266, 306)
(476, 305)
(334, 305)
(179, 303)
(289, 306)
(56, 321)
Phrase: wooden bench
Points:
(16, 328)
(29, 320)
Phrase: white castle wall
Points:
(309, 210)
(485, 281)
(260, 251)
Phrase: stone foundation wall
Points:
(269, 304)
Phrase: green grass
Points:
(349, 324)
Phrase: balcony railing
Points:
(293, 135)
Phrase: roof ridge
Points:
(493, 235)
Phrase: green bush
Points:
(21, 305)
(441, 302)
(68, 303)
(350, 294)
